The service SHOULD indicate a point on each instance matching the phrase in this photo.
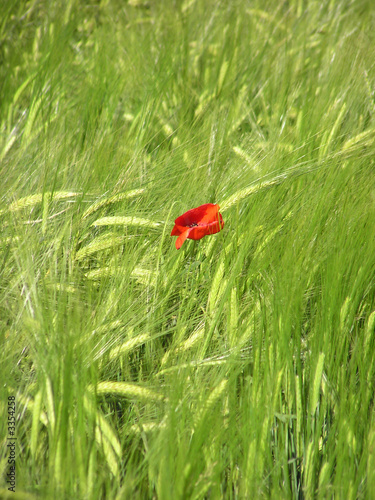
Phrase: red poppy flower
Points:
(197, 222)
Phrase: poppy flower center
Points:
(194, 224)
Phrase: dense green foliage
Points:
(242, 365)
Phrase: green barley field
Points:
(241, 366)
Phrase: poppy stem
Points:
(192, 249)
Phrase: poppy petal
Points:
(211, 213)
(197, 233)
(180, 240)
(177, 230)
(204, 213)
